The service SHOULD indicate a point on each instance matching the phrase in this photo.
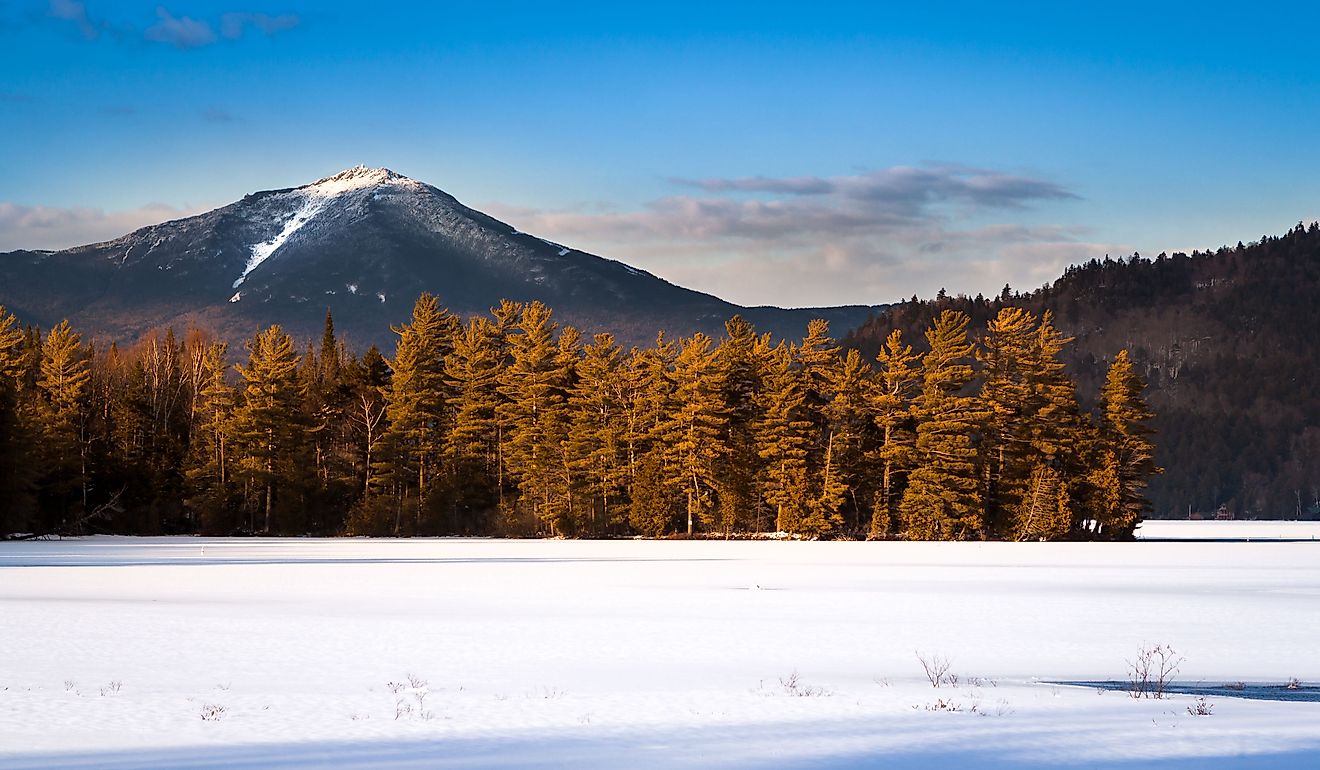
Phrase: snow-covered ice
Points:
(644, 653)
(1228, 530)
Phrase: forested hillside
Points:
(512, 424)
(1230, 343)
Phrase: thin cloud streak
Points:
(216, 115)
(865, 238)
(233, 25)
(182, 32)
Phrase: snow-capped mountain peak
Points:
(363, 242)
(304, 204)
(357, 178)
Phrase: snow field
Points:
(1229, 530)
(643, 653)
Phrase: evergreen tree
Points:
(16, 503)
(330, 358)
(1063, 439)
(783, 435)
(417, 408)
(509, 423)
(1128, 460)
(533, 403)
(740, 359)
(694, 434)
(653, 507)
(63, 390)
(598, 434)
(944, 499)
(207, 469)
(1043, 512)
(850, 438)
(269, 427)
(654, 485)
(473, 373)
(892, 404)
(1012, 402)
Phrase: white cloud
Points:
(76, 12)
(179, 31)
(865, 238)
(48, 227)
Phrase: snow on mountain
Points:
(312, 199)
(262, 251)
(349, 241)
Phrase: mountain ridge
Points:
(362, 243)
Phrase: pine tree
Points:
(63, 388)
(816, 358)
(740, 359)
(694, 433)
(1063, 439)
(1043, 512)
(597, 432)
(850, 436)
(417, 408)
(207, 469)
(16, 503)
(568, 499)
(944, 499)
(473, 373)
(654, 485)
(892, 404)
(268, 426)
(11, 348)
(783, 435)
(332, 405)
(1128, 459)
(1011, 399)
(533, 401)
(330, 358)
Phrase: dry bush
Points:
(937, 670)
(1152, 671)
(213, 712)
(1201, 708)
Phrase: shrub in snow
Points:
(937, 670)
(410, 697)
(1152, 671)
(213, 712)
(794, 686)
(1201, 708)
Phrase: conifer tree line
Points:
(512, 424)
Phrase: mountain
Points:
(363, 243)
(1228, 342)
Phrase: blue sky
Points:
(786, 153)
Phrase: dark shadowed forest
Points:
(1228, 340)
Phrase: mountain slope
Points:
(1228, 342)
(363, 243)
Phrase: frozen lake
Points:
(645, 653)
